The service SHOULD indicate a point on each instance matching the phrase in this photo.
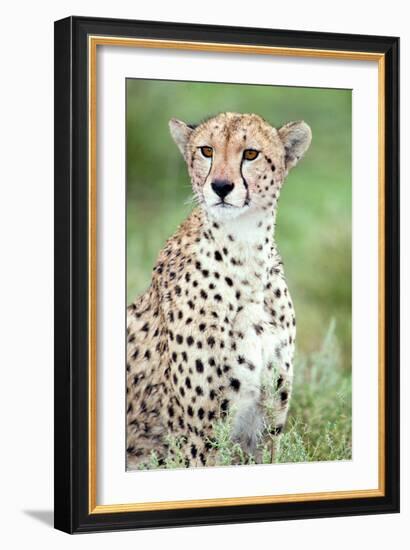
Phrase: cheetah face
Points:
(237, 163)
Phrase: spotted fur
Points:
(217, 319)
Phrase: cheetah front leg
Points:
(248, 420)
(277, 382)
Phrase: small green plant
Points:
(152, 464)
(175, 458)
(228, 452)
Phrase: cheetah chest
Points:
(222, 338)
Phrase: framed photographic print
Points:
(226, 274)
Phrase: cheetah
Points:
(217, 319)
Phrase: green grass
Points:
(319, 423)
(313, 229)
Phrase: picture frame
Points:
(77, 40)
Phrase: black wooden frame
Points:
(71, 275)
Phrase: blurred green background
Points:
(314, 215)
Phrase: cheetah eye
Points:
(250, 154)
(207, 151)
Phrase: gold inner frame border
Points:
(93, 43)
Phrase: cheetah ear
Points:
(296, 138)
(180, 133)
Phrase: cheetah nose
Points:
(222, 187)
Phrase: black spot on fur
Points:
(211, 341)
(224, 407)
(276, 430)
(284, 396)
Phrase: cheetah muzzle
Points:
(212, 339)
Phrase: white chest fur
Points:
(243, 255)
(242, 252)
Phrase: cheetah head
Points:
(238, 162)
